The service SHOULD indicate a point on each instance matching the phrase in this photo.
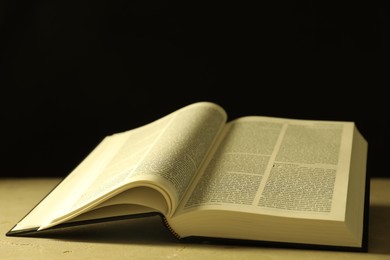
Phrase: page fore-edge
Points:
(35, 232)
(13, 233)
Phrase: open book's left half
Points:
(141, 171)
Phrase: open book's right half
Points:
(301, 182)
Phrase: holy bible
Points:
(255, 178)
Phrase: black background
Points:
(74, 72)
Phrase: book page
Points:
(277, 166)
(177, 157)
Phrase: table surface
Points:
(148, 238)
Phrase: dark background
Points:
(74, 72)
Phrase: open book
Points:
(254, 178)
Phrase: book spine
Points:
(170, 228)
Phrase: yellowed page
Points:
(278, 166)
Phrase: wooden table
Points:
(148, 239)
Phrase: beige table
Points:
(140, 239)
